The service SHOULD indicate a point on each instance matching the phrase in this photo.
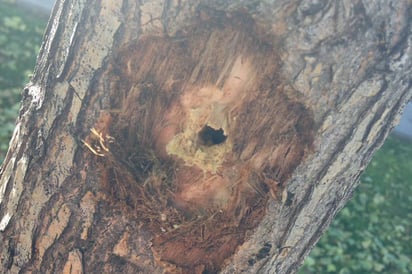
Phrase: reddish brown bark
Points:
(197, 137)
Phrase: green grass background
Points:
(372, 234)
(21, 33)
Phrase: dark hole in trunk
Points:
(209, 136)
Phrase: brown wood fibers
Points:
(204, 133)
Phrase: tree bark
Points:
(197, 136)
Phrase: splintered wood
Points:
(205, 132)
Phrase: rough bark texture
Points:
(197, 136)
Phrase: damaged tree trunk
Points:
(197, 136)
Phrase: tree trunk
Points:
(197, 136)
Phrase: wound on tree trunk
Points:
(197, 136)
(197, 132)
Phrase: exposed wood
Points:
(197, 136)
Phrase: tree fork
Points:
(196, 136)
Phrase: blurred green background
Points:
(21, 32)
(372, 234)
